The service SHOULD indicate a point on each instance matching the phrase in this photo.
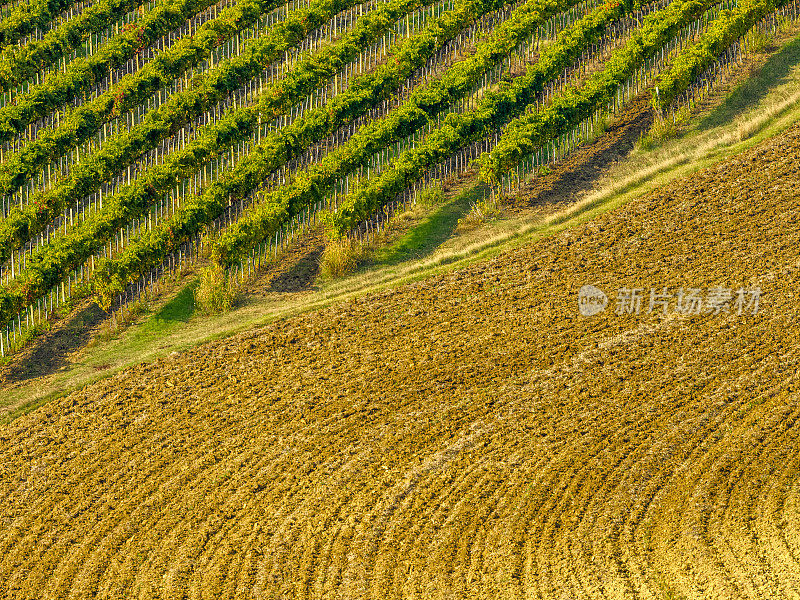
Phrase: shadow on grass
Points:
(49, 351)
(772, 74)
(431, 232)
(153, 327)
(300, 275)
(178, 310)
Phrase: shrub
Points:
(341, 257)
(483, 211)
(215, 293)
(431, 195)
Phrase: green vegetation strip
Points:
(724, 31)
(87, 176)
(310, 186)
(19, 64)
(529, 132)
(137, 87)
(364, 92)
(497, 108)
(84, 73)
(26, 18)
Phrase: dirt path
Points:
(296, 269)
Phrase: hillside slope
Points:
(469, 436)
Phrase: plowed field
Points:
(469, 436)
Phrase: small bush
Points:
(215, 293)
(40, 328)
(483, 211)
(664, 128)
(601, 126)
(757, 42)
(341, 257)
(431, 195)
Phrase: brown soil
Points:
(467, 436)
(296, 269)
